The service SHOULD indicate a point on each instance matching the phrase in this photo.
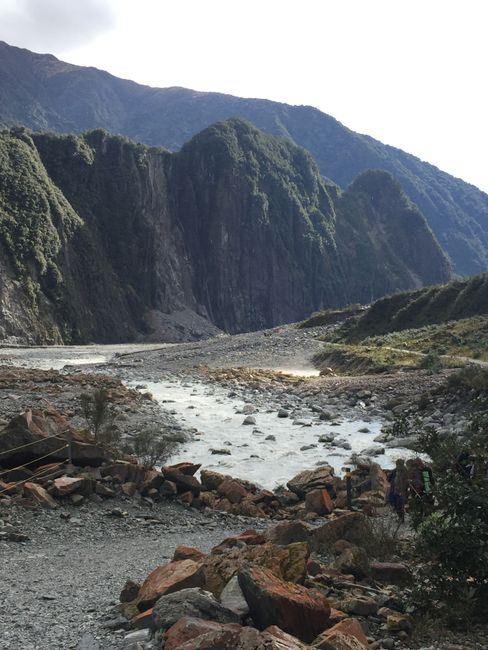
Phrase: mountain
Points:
(103, 239)
(42, 92)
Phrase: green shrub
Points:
(471, 376)
(98, 413)
(150, 447)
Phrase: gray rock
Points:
(249, 420)
(232, 598)
(374, 450)
(191, 602)
(283, 413)
(138, 636)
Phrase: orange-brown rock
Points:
(276, 639)
(190, 469)
(183, 482)
(232, 490)
(124, 471)
(153, 480)
(249, 537)
(169, 578)
(129, 488)
(393, 573)
(144, 620)
(65, 485)
(312, 479)
(188, 628)
(299, 611)
(188, 553)
(349, 628)
(287, 532)
(349, 526)
(211, 480)
(242, 638)
(39, 494)
(319, 501)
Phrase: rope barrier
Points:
(33, 461)
(28, 444)
(27, 480)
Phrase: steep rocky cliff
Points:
(106, 240)
(44, 93)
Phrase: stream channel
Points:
(268, 452)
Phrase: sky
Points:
(411, 73)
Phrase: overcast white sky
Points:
(411, 73)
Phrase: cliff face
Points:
(44, 93)
(106, 240)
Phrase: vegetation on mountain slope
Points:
(45, 93)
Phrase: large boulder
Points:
(319, 501)
(33, 434)
(227, 638)
(353, 561)
(193, 602)
(312, 479)
(299, 611)
(349, 526)
(346, 635)
(220, 568)
(391, 573)
(276, 639)
(232, 598)
(184, 482)
(188, 628)
(287, 532)
(39, 494)
(169, 578)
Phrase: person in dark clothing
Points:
(397, 496)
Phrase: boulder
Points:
(340, 641)
(188, 553)
(299, 611)
(227, 638)
(190, 469)
(232, 598)
(183, 482)
(287, 532)
(167, 579)
(349, 526)
(193, 602)
(232, 490)
(129, 488)
(276, 639)
(349, 627)
(355, 561)
(153, 480)
(391, 573)
(65, 485)
(294, 566)
(359, 606)
(125, 471)
(312, 479)
(211, 480)
(188, 628)
(319, 501)
(39, 494)
(248, 537)
(129, 592)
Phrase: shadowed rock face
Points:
(42, 92)
(106, 240)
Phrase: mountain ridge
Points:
(69, 98)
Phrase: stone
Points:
(168, 489)
(76, 499)
(183, 482)
(287, 532)
(294, 566)
(319, 501)
(312, 479)
(211, 480)
(359, 606)
(276, 639)
(188, 553)
(249, 419)
(188, 628)
(348, 627)
(283, 413)
(88, 642)
(129, 488)
(129, 592)
(349, 526)
(355, 561)
(391, 573)
(144, 620)
(169, 578)
(248, 537)
(40, 495)
(398, 622)
(190, 469)
(65, 485)
(232, 490)
(340, 641)
(193, 602)
(232, 598)
(153, 480)
(299, 611)
(227, 638)
(139, 636)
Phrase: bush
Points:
(472, 376)
(431, 362)
(150, 447)
(452, 543)
(98, 413)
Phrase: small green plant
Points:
(98, 413)
(431, 362)
(150, 447)
(471, 376)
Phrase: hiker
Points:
(465, 465)
(397, 496)
(420, 485)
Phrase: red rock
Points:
(66, 485)
(183, 482)
(104, 491)
(248, 537)
(188, 553)
(379, 480)
(211, 480)
(299, 611)
(232, 490)
(186, 468)
(314, 568)
(124, 471)
(144, 620)
(169, 578)
(188, 628)
(348, 526)
(287, 532)
(319, 501)
(245, 638)
(349, 627)
(313, 479)
(336, 616)
(40, 495)
(153, 480)
(187, 497)
(168, 489)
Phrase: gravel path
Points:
(61, 584)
